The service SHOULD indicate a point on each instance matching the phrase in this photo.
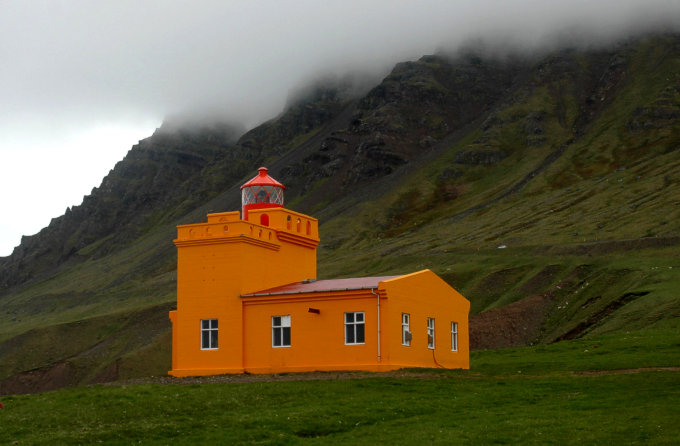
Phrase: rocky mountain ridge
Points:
(544, 189)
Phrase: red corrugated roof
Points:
(318, 286)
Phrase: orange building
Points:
(248, 301)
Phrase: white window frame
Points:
(284, 322)
(212, 329)
(354, 324)
(405, 328)
(430, 333)
(454, 336)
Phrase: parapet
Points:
(282, 219)
(265, 227)
(221, 217)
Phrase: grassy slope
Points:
(604, 214)
(564, 393)
(612, 182)
(106, 284)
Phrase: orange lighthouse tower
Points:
(225, 257)
(248, 301)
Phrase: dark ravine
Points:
(584, 326)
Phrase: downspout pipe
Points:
(378, 296)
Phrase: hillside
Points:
(545, 189)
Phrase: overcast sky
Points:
(82, 81)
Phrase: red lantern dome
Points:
(261, 192)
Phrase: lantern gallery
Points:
(248, 300)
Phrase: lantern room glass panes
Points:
(262, 194)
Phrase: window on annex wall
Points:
(405, 329)
(354, 328)
(208, 334)
(454, 336)
(430, 332)
(281, 331)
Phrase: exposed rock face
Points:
(663, 113)
(475, 157)
(157, 173)
(415, 106)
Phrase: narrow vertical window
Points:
(405, 329)
(354, 328)
(430, 332)
(281, 331)
(454, 336)
(208, 334)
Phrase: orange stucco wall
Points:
(225, 257)
(317, 340)
(425, 295)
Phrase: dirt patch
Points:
(63, 375)
(513, 325)
(330, 376)
(248, 378)
(56, 376)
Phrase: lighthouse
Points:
(248, 300)
(261, 192)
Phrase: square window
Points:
(208, 334)
(354, 328)
(281, 331)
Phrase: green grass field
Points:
(612, 389)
